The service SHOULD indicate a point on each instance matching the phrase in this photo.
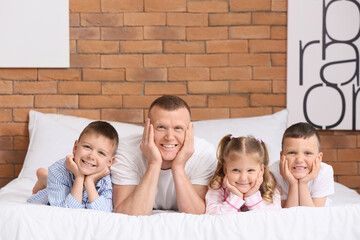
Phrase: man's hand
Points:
(232, 188)
(147, 146)
(314, 171)
(285, 171)
(72, 166)
(187, 149)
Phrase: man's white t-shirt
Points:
(130, 166)
(321, 186)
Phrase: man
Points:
(166, 168)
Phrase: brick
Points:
(344, 168)
(227, 46)
(125, 88)
(121, 61)
(229, 19)
(84, 113)
(206, 60)
(164, 60)
(207, 6)
(122, 5)
(268, 46)
(100, 101)
(278, 59)
(250, 86)
(12, 157)
(59, 74)
(96, 46)
(329, 155)
(267, 100)
(84, 5)
(249, 112)
(198, 114)
(121, 33)
(138, 101)
(21, 143)
(102, 19)
(74, 20)
(6, 143)
(187, 19)
(279, 86)
(184, 47)
(5, 115)
(6, 87)
(195, 100)
(230, 101)
(84, 33)
(85, 60)
(279, 5)
(18, 168)
(269, 18)
(164, 33)
(231, 73)
(188, 74)
(344, 155)
(146, 74)
(165, 5)
(208, 87)
(278, 32)
(4, 181)
(144, 19)
(35, 87)
(123, 115)
(22, 114)
(79, 87)
(104, 74)
(249, 59)
(165, 88)
(206, 33)
(61, 101)
(249, 32)
(13, 129)
(253, 5)
(141, 46)
(72, 46)
(269, 72)
(18, 74)
(6, 170)
(350, 181)
(9, 101)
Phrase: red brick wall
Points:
(226, 58)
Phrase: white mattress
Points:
(20, 220)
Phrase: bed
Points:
(52, 136)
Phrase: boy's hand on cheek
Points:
(72, 166)
(314, 171)
(285, 171)
(93, 178)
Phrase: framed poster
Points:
(34, 34)
(323, 63)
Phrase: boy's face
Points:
(300, 154)
(93, 153)
(169, 130)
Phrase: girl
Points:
(242, 180)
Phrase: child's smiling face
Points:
(301, 154)
(93, 153)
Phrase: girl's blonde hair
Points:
(244, 145)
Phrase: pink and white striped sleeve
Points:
(256, 201)
(221, 202)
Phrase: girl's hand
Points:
(232, 188)
(285, 171)
(72, 166)
(314, 171)
(259, 180)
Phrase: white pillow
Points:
(52, 137)
(270, 128)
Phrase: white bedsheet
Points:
(19, 220)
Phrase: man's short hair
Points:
(301, 130)
(102, 128)
(169, 103)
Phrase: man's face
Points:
(169, 130)
(300, 154)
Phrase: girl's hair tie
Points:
(231, 137)
(259, 140)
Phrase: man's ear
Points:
(75, 146)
